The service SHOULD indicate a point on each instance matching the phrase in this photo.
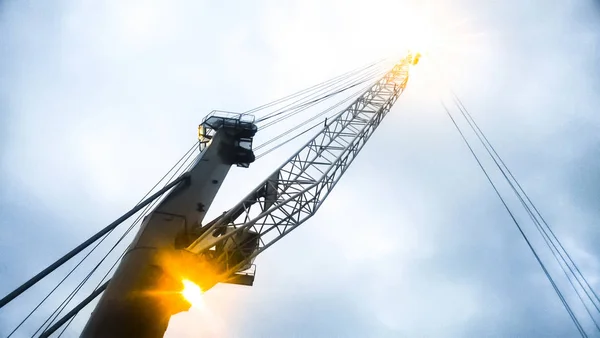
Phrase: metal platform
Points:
(245, 278)
(236, 122)
(240, 126)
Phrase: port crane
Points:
(173, 244)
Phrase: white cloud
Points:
(105, 96)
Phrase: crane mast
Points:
(144, 290)
(173, 244)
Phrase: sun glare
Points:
(192, 293)
(422, 38)
(438, 32)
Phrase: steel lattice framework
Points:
(295, 191)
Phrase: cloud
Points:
(101, 98)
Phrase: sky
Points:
(99, 99)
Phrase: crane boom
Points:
(296, 190)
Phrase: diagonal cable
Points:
(523, 235)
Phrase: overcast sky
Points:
(99, 99)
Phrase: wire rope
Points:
(520, 193)
(185, 158)
(523, 235)
(319, 85)
(311, 101)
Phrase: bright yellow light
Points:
(192, 293)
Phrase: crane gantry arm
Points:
(296, 190)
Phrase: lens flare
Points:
(192, 293)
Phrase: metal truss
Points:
(295, 191)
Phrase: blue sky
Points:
(99, 99)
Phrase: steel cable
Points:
(319, 85)
(182, 161)
(520, 193)
(523, 235)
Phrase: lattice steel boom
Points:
(295, 191)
